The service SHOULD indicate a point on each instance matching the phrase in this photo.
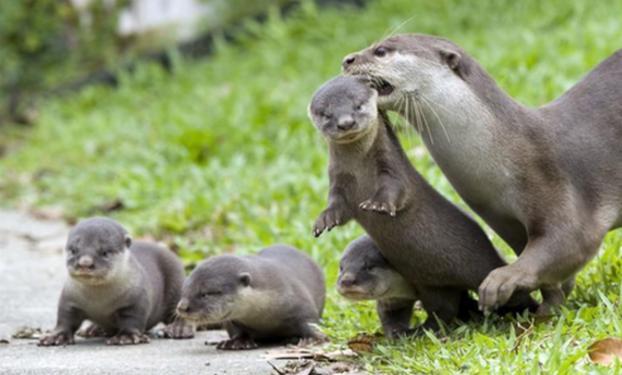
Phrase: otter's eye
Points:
(72, 250)
(359, 107)
(380, 52)
(369, 268)
(104, 253)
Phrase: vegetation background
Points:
(219, 156)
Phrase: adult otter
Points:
(547, 180)
(438, 248)
(275, 295)
(364, 274)
(125, 288)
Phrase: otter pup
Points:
(438, 249)
(124, 287)
(548, 180)
(364, 274)
(275, 295)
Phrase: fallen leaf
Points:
(363, 343)
(27, 333)
(604, 352)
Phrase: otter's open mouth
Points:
(383, 87)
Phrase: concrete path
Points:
(31, 276)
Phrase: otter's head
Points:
(364, 274)
(344, 109)
(408, 65)
(215, 290)
(97, 249)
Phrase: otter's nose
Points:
(348, 60)
(183, 305)
(348, 280)
(86, 261)
(345, 122)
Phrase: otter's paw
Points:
(379, 206)
(128, 338)
(57, 338)
(328, 219)
(179, 329)
(501, 283)
(92, 330)
(237, 344)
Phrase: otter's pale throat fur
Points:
(439, 249)
(548, 180)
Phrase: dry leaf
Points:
(604, 352)
(363, 343)
(27, 333)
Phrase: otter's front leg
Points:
(337, 212)
(548, 260)
(390, 195)
(239, 339)
(131, 322)
(68, 321)
(395, 316)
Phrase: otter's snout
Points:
(345, 122)
(86, 262)
(348, 60)
(347, 280)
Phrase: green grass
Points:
(220, 157)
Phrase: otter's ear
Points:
(454, 62)
(128, 241)
(245, 278)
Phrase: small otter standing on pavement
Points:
(125, 288)
(275, 295)
(439, 249)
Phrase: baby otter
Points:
(275, 295)
(125, 288)
(440, 250)
(364, 274)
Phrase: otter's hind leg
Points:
(395, 315)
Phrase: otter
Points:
(364, 274)
(547, 180)
(273, 296)
(124, 287)
(438, 248)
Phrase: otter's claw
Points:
(500, 284)
(57, 339)
(128, 338)
(381, 207)
(179, 329)
(328, 219)
(237, 344)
